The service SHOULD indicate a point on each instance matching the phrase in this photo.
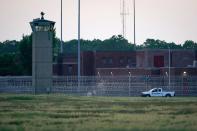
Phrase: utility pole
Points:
(123, 18)
(61, 48)
(123, 13)
(79, 62)
(129, 83)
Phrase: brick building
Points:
(121, 63)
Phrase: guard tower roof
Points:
(41, 22)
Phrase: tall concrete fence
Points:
(103, 86)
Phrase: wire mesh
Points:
(104, 86)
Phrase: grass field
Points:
(74, 113)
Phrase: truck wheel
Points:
(168, 95)
(148, 95)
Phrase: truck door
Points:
(154, 92)
(157, 92)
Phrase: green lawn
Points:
(74, 113)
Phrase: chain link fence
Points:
(103, 86)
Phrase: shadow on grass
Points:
(20, 97)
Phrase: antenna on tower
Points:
(123, 13)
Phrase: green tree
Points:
(9, 65)
(25, 54)
(115, 43)
(56, 45)
(189, 44)
(8, 47)
(158, 44)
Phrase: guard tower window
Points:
(42, 28)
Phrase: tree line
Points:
(16, 56)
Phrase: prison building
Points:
(122, 63)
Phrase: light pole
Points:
(169, 62)
(79, 62)
(129, 83)
(111, 74)
(134, 37)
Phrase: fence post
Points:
(129, 85)
(146, 81)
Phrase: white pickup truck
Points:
(158, 92)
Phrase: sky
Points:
(169, 20)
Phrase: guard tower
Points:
(42, 38)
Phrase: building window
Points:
(133, 64)
(121, 60)
(110, 61)
(70, 69)
(158, 61)
(129, 60)
(107, 61)
(104, 60)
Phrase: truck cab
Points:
(156, 92)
